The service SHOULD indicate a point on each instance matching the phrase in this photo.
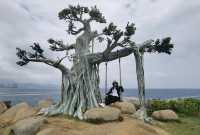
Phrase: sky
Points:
(23, 22)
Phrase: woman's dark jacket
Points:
(118, 88)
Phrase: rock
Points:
(133, 100)
(7, 131)
(17, 112)
(165, 115)
(7, 103)
(45, 103)
(51, 131)
(29, 126)
(102, 114)
(125, 107)
(3, 107)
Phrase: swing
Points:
(106, 74)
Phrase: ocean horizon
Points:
(33, 95)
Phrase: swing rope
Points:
(92, 45)
(120, 70)
(106, 73)
(106, 80)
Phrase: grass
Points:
(188, 125)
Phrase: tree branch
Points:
(76, 14)
(37, 56)
(59, 46)
(77, 31)
(98, 58)
(94, 34)
(117, 37)
(53, 63)
(108, 55)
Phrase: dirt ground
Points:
(128, 126)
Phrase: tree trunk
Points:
(141, 113)
(79, 88)
(80, 91)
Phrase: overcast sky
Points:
(25, 21)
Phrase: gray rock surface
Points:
(102, 114)
(29, 126)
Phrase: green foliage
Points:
(186, 126)
(96, 15)
(119, 37)
(164, 46)
(21, 54)
(24, 56)
(73, 13)
(160, 46)
(80, 14)
(182, 106)
(130, 29)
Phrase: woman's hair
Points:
(115, 82)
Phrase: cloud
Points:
(23, 22)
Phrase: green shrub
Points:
(183, 106)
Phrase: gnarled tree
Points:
(80, 84)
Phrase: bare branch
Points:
(59, 60)
(75, 32)
(95, 34)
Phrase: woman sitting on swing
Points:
(114, 93)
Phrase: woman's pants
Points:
(111, 99)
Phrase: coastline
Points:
(33, 95)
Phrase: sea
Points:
(33, 95)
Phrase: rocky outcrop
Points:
(102, 114)
(165, 115)
(125, 107)
(29, 126)
(45, 103)
(3, 107)
(17, 112)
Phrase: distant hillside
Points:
(13, 84)
(8, 84)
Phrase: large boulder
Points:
(165, 115)
(45, 103)
(17, 112)
(133, 100)
(29, 126)
(3, 107)
(125, 107)
(102, 114)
